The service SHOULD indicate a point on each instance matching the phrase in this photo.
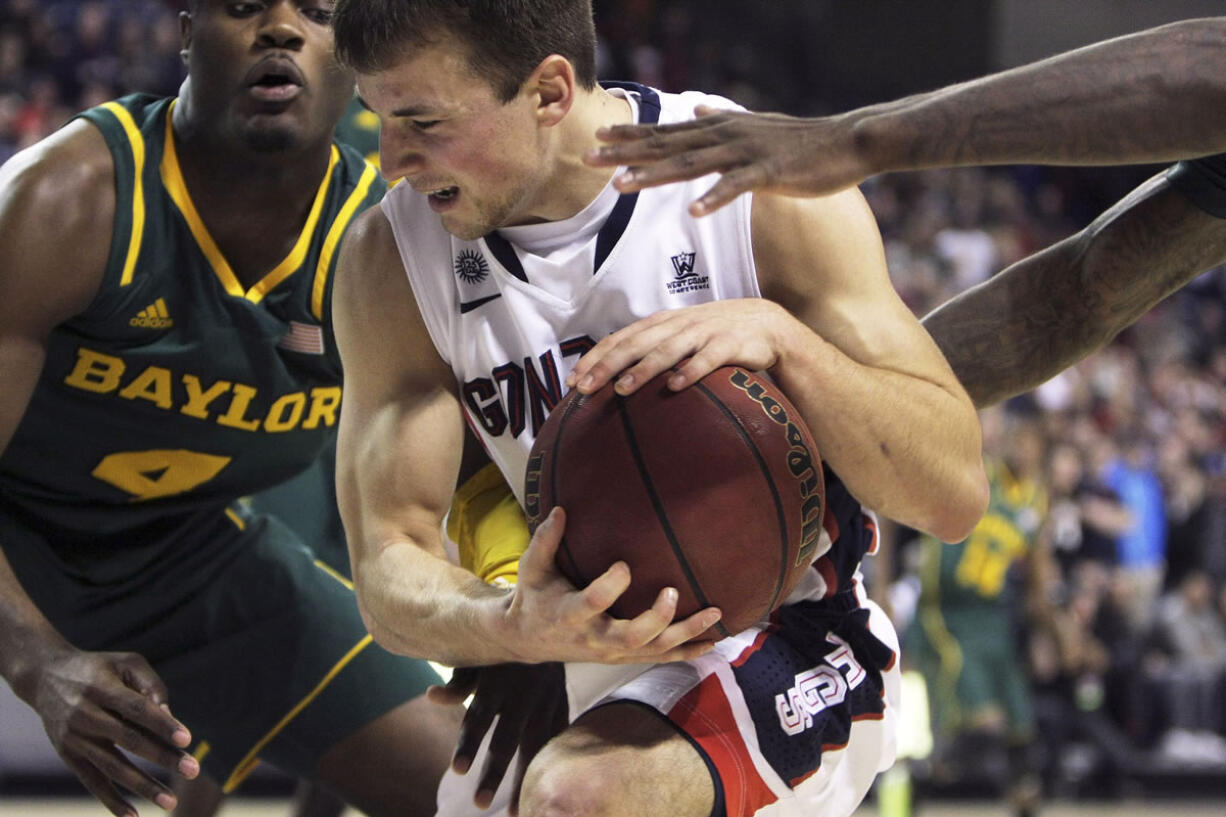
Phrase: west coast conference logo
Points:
(471, 267)
(685, 279)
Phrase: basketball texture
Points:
(715, 490)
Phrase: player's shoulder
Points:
(679, 107)
(369, 238)
(62, 186)
(71, 164)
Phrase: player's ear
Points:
(554, 84)
(185, 34)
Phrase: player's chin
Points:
(272, 134)
(465, 230)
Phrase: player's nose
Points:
(281, 26)
(397, 158)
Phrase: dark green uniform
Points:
(963, 636)
(176, 393)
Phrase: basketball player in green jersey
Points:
(963, 634)
(166, 348)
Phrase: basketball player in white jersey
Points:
(484, 279)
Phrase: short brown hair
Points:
(506, 39)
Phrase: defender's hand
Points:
(552, 621)
(749, 332)
(93, 704)
(752, 151)
(529, 701)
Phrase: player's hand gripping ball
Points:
(715, 490)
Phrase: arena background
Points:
(1157, 395)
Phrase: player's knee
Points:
(559, 785)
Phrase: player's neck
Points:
(573, 185)
(218, 165)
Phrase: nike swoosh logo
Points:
(469, 306)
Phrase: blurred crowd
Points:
(1128, 659)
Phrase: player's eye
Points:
(242, 9)
(321, 15)
(425, 124)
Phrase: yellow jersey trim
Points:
(137, 142)
(172, 178)
(331, 571)
(236, 519)
(248, 763)
(334, 238)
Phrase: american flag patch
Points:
(303, 337)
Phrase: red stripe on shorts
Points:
(706, 716)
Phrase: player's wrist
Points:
(23, 665)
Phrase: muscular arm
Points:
(57, 205)
(60, 187)
(887, 412)
(1046, 312)
(1154, 96)
(398, 455)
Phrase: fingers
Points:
(536, 565)
(102, 768)
(142, 701)
(463, 682)
(731, 184)
(100, 787)
(654, 636)
(595, 599)
(552, 718)
(503, 745)
(477, 721)
(650, 345)
(147, 730)
(682, 164)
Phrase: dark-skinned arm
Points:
(1155, 96)
(1046, 312)
(91, 704)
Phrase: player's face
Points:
(264, 71)
(446, 133)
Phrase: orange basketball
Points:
(715, 490)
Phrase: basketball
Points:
(715, 490)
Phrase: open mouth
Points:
(274, 80)
(443, 199)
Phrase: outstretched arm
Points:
(1046, 312)
(1158, 95)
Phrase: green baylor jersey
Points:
(178, 390)
(971, 573)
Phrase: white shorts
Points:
(795, 717)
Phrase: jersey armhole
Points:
(1203, 182)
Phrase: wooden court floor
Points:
(272, 807)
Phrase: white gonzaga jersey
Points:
(512, 323)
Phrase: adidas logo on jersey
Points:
(154, 316)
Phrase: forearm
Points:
(25, 633)
(415, 603)
(904, 446)
(1046, 312)
(1159, 95)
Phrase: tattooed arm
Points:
(1158, 95)
(1046, 312)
